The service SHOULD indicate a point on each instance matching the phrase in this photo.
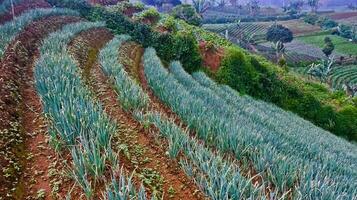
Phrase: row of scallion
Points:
(9, 30)
(78, 123)
(217, 177)
(6, 5)
(292, 155)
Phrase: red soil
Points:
(20, 104)
(22, 7)
(211, 57)
(154, 155)
(343, 15)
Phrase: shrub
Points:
(311, 19)
(151, 16)
(326, 23)
(235, 71)
(278, 32)
(187, 13)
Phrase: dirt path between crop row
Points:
(22, 7)
(131, 57)
(141, 149)
(24, 153)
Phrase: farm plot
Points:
(119, 100)
(22, 127)
(21, 7)
(9, 30)
(342, 45)
(342, 15)
(343, 75)
(257, 30)
(254, 31)
(273, 151)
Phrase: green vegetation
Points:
(77, 122)
(187, 13)
(9, 30)
(258, 133)
(342, 45)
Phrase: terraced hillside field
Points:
(338, 77)
(342, 45)
(256, 31)
(86, 113)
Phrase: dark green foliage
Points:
(328, 47)
(236, 71)
(179, 46)
(186, 50)
(278, 32)
(326, 23)
(311, 19)
(347, 121)
(187, 13)
(248, 75)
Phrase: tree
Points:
(294, 7)
(314, 4)
(253, 6)
(328, 47)
(321, 70)
(201, 6)
(278, 35)
(188, 13)
(278, 32)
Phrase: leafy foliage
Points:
(187, 13)
(9, 30)
(245, 128)
(278, 32)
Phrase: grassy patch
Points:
(342, 45)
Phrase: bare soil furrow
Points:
(141, 149)
(24, 153)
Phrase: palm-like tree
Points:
(321, 70)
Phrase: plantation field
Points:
(342, 45)
(88, 111)
(338, 77)
(256, 31)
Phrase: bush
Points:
(326, 23)
(278, 32)
(311, 19)
(237, 72)
(187, 13)
(151, 15)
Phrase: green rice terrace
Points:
(113, 100)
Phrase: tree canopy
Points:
(278, 33)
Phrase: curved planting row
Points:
(219, 178)
(133, 99)
(78, 124)
(19, 109)
(6, 5)
(141, 153)
(21, 7)
(256, 31)
(9, 30)
(251, 131)
(341, 75)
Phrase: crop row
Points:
(218, 178)
(77, 122)
(256, 31)
(9, 30)
(341, 75)
(276, 142)
(5, 6)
